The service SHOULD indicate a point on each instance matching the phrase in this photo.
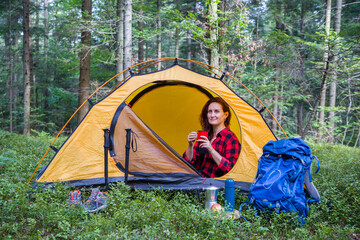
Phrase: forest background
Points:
(301, 57)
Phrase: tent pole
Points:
(127, 153)
(106, 150)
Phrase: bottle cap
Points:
(229, 183)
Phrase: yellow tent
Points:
(160, 108)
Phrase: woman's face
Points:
(216, 115)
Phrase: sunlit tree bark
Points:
(213, 33)
(333, 84)
(120, 39)
(177, 41)
(127, 33)
(158, 36)
(27, 64)
(141, 39)
(189, 48)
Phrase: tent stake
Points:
(106, 150)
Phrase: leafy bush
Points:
(136, 214)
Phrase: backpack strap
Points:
(318, 163)
(310, 188)
(241, 206)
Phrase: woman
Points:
(215, 155)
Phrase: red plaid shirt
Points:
(227, 145)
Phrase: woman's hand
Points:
(205, 143)
(192, 137)
(189, 150)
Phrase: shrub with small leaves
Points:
(39, 213)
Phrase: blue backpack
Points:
(283, 170)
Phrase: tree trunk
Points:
(357, 139)
(333, 85)
(300, 105)
(11, 97)
(279, 26)
(280, 115)
(36, 62)
(120, 39)
(213, 34)
(141, 38)
(299, 124)
(189, 44)
(15, 89)
(348, 111)
(9, 66)
(27, 64)
(146, 47)
(85, 61)
(127, 33)
(221, 42)
(46, 49)
(158, 36)
(279, 16)
(326, 59)
(317, 101)
(275, 101)
(177, 41)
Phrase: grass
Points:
(136, 214)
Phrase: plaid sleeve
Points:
(195, 154)
(230, 155)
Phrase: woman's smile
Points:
(216, 115)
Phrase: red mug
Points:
(201, 133)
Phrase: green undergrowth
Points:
(136, 214)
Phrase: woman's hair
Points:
(204, 119)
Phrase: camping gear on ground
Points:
(75, 198)
(96, 201)
(280, 179)
(161, 108)
(229, 195)
(211, 196)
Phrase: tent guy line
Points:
(176, 93)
